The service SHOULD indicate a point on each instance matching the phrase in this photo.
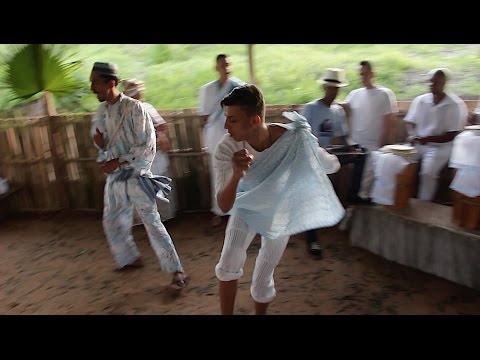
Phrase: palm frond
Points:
(35, 68)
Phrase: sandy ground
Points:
(62, 265)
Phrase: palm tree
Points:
(37, 69)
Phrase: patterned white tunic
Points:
(130, 136)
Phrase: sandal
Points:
(179, 281)
(137, 264)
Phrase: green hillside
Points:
(287, 73)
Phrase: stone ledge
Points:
(421, 236)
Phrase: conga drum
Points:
(405, 186)
(466, 211)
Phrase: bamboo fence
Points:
(53, 160)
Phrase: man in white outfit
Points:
(372, 111)
(123, 131)
(273, 179)
(433, 120)
(161, 163)
(209, 106)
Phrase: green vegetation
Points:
(37, 70)
(286, 72)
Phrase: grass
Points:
(173, 73)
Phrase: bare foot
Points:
(179, 281)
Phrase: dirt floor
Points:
(57, 265)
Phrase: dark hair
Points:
(367, 64)
(220, 57)
(441, 73)
(107, 78)
(107, 71)
(249, 97)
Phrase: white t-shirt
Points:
(368, 108)
(431, 119)
(210, 96)
(156, 117)
(161, 162)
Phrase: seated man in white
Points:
(433, 121)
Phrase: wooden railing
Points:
(53, 161)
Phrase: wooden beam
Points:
(251, 70)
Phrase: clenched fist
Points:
(111, 165)
(241, 161)
(98, 139)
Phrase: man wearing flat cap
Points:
(123, 131)
(433, 120)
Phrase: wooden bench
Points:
(422, 236)
(4, 201)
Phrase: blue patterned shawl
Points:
(154, 186)
(287, 191)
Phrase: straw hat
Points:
(334, 77)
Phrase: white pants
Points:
(434, 158)
(214, 208)
(367, 179)
(238, 237)
(119, 200)
(367, 176)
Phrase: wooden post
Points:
(58, 164)
(250, 64)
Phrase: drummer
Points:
(433, 121)
(327, 119)
(329, 125)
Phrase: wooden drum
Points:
(406, 186)
(466, 211)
